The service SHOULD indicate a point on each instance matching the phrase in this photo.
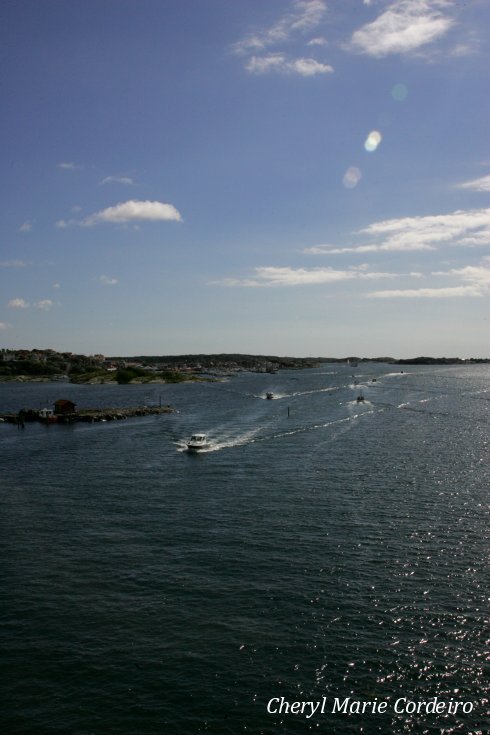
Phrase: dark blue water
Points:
(340, 551)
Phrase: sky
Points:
(281, 177)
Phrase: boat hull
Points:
(196, 449)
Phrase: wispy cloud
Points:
(320, 250)
(271, 276)
(403, 28)
(131, 211)
(44, 305)
(4, 326)
(281, 64)
(127, 180)
(318, 41)
(18, 304)
(482, 184)
(475, 281)
(430, 232)
(477, 275)
(67, 166)
(25, 226)
(467, 228)
(107, 280)
(428, 293)
(12, 264)
(304, 17)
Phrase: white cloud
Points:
(25, 226)
(44, 305)
(304, 17)
(265, 64)
(403, 28)
(127, 180)
(430, 232)
(107, 280)
(134, 210)
(67, 166)
(56, 285)
(466, 49)
(482, 184)
(308, 67)
(477, 275)
(271, 276)
(428, 293)
(4, 325)
(287, 276)
(12, 264)
(467, 228)
(319, 250)
(319, 41)
(280, 63)
(475, 282)
(130, 211)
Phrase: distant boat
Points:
(47, 416)
(197, 442)
(360, 398)
(269, 395)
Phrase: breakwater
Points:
(88, 415)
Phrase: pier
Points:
(88, 415)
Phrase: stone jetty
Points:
(88, 415)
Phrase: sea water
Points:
(322, 552)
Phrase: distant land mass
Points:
(48, 364)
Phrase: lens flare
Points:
(351, 177)
(372, 141)
(399, 92)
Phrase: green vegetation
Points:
(432, 361)
(126, 375)
(51, 365)
(89, 376)
(27, 367)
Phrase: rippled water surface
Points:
(320, 548)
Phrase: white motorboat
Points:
(197, 442)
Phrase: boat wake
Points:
(295, 394)
(355, 402)
(253, 435)
(317, 427)
(231, 439)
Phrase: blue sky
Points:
(304, 177)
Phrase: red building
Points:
(63, 406)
